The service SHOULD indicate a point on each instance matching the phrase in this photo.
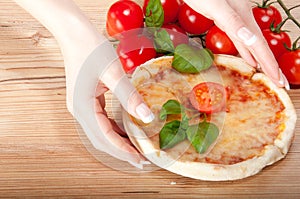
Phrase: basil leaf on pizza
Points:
(163, 42)
(202, 136)
(170, 107)
(188, 59)
(171, 134)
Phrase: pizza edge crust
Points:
(207, 171)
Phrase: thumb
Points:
(225, 17)
(131, 100)
(114, 77)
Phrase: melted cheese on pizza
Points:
(251, 122)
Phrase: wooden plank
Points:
(41, 153)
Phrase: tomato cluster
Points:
(270, 22)
(125, 22)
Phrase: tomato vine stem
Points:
(288, 12)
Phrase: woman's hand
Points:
(235, 18)
(89, 57)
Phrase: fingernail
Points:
(144, 113)
(246, 36)
(283, 80)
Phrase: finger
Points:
(127, 141)
(245, 54)
(117, 129)
(101, 89)
(89, 112)
(113, 143)
(114, 77)
(259, 49)
(228, 17)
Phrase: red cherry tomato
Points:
(134, 50)
(276, 42)
(289, 63)
(177, 34)
(219, 43)
(193, 22)
(123, 16)
(266, 16)
(171, 9)
(208, 97)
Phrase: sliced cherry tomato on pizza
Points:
(277, 41)
(289, 63)
(123, 16)
(208, 97)
(171, 9)
(134, 50)
(219, 43)
(265, 15)
(193, 22)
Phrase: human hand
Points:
(88, 58)
(236, 19)
(87, 102)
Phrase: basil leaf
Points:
(171, 134)
(184, 122)
(170, 107)
(202, 136)
(163, 42)
(154, 16)
(188, 59)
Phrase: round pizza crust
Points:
(211, 171)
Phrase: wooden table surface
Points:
(41, 154)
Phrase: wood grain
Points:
(41, 153)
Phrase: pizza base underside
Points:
(255, 130)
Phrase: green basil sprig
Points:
(154, 17)
(201, 136)
(188, 59)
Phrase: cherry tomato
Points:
(208, 97)
(276, 41)
(123, 16)
(134, 50)
(289, 63)
(219, 43)
(177, 34)
(171, 9)
(193, 22)
(265, 16)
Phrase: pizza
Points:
(256, 127)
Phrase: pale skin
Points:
(67, 23)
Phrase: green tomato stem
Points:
(295, 47)
(288, 12)
(277, 29)
(294, 7)
(265, 4)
